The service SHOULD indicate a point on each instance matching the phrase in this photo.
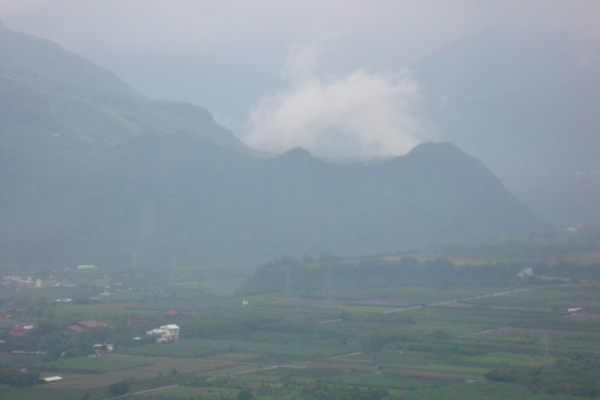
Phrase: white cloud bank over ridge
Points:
(360, 114)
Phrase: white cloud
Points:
(359, 114)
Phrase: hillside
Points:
(47, 91)
(525, 103)
(181, 199)
(22, 52)
(94, 175)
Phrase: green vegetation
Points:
(118, 388)
(106, 363)
(434, 324)
(14, 377)
(468, 267)
(578, 376)
(425, 325)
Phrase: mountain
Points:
(22, 52)
(525, 103)
(94, 175)
(49, 91)
(181, 199)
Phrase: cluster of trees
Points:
(289, 273)
(118, 388)
(340, 392)
(317, 391)
(46, 338)
(579, 376)
(16, 377)
(307, 273)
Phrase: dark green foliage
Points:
(181, 183)
(15, 377)
(244, 394)
(275, 275)
(290, 273)
(118, 388)
(511, 376)
(339, 392)
(578, 377)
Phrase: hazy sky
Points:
(330, 75)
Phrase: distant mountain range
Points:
(93, 172)
(526, 104)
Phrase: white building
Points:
(165, 333)
(172, 331)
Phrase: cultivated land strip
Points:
(443, 303)
(142, 392)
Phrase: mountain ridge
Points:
(47, 58)
(94, 177)
(524, 103)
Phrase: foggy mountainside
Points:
(525, 103)
(95, 172)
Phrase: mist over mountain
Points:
(525, 103)
(96, 173)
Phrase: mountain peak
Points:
(438, 151)
(436, 147)
(46, 58)
(297, 153)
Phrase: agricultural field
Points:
(517, 339)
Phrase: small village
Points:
(20, 319)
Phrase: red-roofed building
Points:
(85, 326)
(18, 330)
(172, 313)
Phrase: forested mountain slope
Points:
(93, 172)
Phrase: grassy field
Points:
(412, 342)
(106, 363)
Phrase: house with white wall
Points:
(165, 333)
